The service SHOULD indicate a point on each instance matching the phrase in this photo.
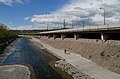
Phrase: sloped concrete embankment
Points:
(105, 54)
(77, 66)
(8, 51)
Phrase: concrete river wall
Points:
(105, 54)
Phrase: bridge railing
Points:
(86, 28)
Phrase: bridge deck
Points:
(85, 29)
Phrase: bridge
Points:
(104, 32)
(94, 52)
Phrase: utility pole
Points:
(72, 23)
(64, 24)
(104, 15)
(83, 24)
(47, 27)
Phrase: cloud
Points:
(77, 11)
(28, 27)
(11, 2)
(27, 18)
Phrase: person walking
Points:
(65, 51)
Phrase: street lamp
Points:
(47, 26)
(64, 24)
(72, 24)
(104, 15)
(83, 24)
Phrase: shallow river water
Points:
(27, 53)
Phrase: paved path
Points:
(82, 64)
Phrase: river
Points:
(27, 53)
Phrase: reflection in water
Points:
(26, 53)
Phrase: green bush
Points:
(5, 36)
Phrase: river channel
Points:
(27, 53)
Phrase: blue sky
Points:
(13, 15)
(26, 14)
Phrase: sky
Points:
(40, 14)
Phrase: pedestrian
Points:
(65, 51)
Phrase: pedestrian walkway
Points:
(84, 65)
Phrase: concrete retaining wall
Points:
(102, 53)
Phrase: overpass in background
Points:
(104, 32)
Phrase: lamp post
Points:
(83, 24)
(72, 23)
(104, 15)
(47, 26)
(64, 24)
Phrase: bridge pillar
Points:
(76, 36)
(63, 36)
(104, 36)
(39, 36)
(49, 35)
(55, 36)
